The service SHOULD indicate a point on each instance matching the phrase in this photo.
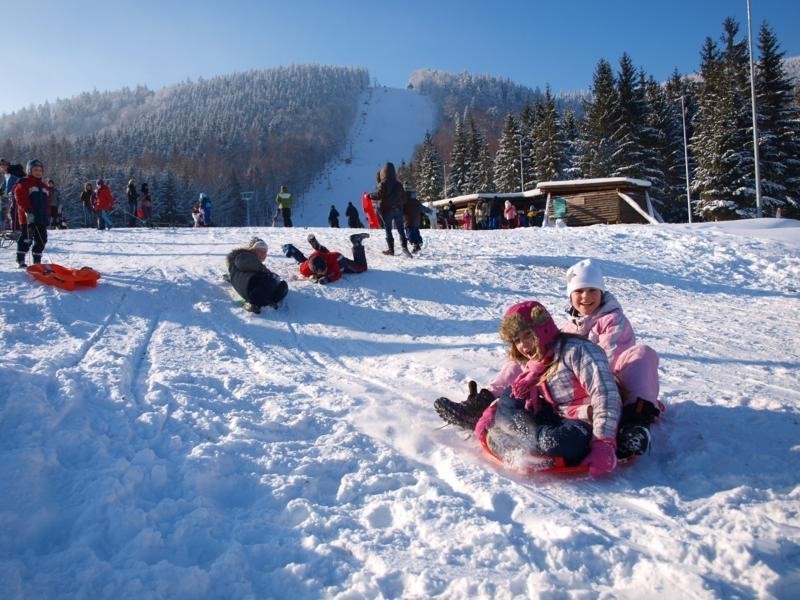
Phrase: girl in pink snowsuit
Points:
(596, 314)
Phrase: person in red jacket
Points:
(324, 266)
(103, 202)
(32, 196)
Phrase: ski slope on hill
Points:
(390, 123)
(157, 441)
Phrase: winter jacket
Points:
(103, 200)
(132, 194)
(634, 365)
(353, 218)
(32, 197)
(284, 199)
(412, 211)
(607, 326)
(390, 191)
(333, 217)
(331, 260)
(510, 212)
(87, 198)
(246, 272)
(581, 387)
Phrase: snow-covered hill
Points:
(391, 122)
(156, 441)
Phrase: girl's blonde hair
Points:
(513, 325)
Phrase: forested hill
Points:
(233, 133)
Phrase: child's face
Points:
(586, 300)
(526, 343)
(261, 253)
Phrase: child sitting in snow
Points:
(251, 279)
(596, 314)
(558, 397)
(324, 266)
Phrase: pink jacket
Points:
(634, 365)
(608, 327)
(581, 387)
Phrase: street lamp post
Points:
(755, 118)
(686, 161)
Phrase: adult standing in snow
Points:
(133, 196)
(103, 202)
(56, 219)
(324, 266)
(333, 217)
(252, 280)
(145, 208)
(12, 175)
(284, 202)
(557, 396)
(87, 202)
(353, 218)
(32, 197)
(205, 208)
(392, 197)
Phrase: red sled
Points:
(545, 464)
(369, 210)
(63, 277)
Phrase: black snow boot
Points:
(464, 414)
(632, 440)
(390, 250)
(357, 238)
(315, 244)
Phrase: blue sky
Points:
(65, 48)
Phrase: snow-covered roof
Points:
(543, 185)
(485, 195)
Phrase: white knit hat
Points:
(584, 274)
(256, 243)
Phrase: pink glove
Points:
(602, 457)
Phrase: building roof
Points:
(600, 182)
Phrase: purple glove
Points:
(602, 457)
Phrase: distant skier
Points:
(353, 218)
(333, 217)
(284, 202)
(205, 206)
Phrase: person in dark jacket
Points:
(333, 217)
(87, 202)
(133, 197)
(32, 197)
(412, 216)
(252, 280)
(324, 266)
(392, 197)
(353, 218)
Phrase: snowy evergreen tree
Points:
(778, 130)
(428, 174)
(572, 147)
(506, 161)
(724, 154)
(459, 172)
(481, 176)
(629, 157)
(598, 147)
(548, 140)
(527, 134)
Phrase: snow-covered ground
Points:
(156, 441)
(390, 123)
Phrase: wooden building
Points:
(576, 202)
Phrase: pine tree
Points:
(572, 147)
(428, 175)
(724, 176)
(528, 120)
(458, 175)
(629, 157)
(506, 161)
(778, 129)
(599, 146)
(548, 140)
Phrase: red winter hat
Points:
(529, 314)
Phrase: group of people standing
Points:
(140, 204)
